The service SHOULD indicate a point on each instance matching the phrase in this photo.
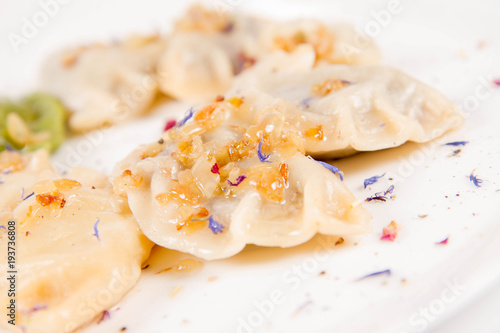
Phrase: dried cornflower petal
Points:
(262, 157)
(215, 226)
(473, 178)
(372, 180)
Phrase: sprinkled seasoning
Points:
(473, 178)
(384, 272)
(104, 316)
(372, 180)
(96, 232)
(444, 241)
(262, 157)
(188, 116)
(330, 167)
(169, 124)
(238, 180)
(390, 232)
(457, 143)
(215, 169)
(215, 226)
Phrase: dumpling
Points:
(18, 174)
(214, 184)
(104, 85)
(79, 249)
(343, 109)
(208, 48)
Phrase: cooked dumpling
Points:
(214, 184)
(342, 109)
(104, 85)
(18, 174)
(207, 48)
(79, 249)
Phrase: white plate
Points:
(315, 287)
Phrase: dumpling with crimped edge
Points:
(343, 109)
(215, 184)
(209, 47)
(104, 85)
(79, 249)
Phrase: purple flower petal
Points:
(29, 195)
(96, 232)
(188, 116)
(372, 180)
(262, 157)
(238, 180)
(215, 226)
(476, 181)
(389, 190)
(457, 143)
(330, 167)
(384, 272)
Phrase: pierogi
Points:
(79, 249)
(209, 47)
(213, 184)
(342, 109)
(104, 84)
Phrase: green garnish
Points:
(37, 121)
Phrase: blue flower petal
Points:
(215, 226)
